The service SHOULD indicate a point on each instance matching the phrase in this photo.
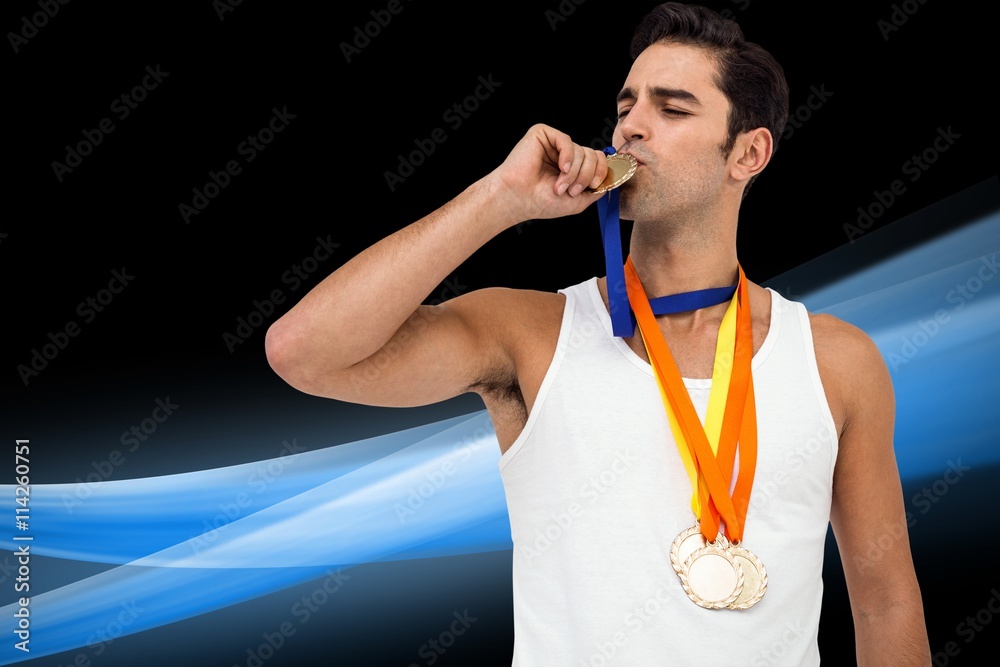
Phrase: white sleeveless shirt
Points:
(596, 493)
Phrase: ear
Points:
(751, 153)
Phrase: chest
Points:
(694, 351)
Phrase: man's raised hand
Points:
(546, 175)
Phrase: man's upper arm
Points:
(868, 514)
(436, 354)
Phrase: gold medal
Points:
(621, 167)
(712, 577)
(689, 541)
(755, 584)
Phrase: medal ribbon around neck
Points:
(622, 320)
(739, 424)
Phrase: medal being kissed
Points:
(621, 167)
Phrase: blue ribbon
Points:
(622, 318)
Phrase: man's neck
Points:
(671, 263)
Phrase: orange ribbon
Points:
(739, 424)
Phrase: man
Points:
(584, 437)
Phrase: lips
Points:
(637, 158)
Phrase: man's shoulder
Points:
(510, 313)
(844, 345)
(851, 366)
(518, 300)
(514, 299)
(834, 336)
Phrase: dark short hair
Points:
(749, 77)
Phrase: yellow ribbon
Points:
(725, 348)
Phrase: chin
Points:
(630, 204)
(626, 198)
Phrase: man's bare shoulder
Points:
(510, 312)
(846, 344)
(520, 300)
(851, 366)
(522, 324)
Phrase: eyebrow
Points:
(662, 92)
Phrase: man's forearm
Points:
(355, 311)
(384, 284)
(894, 634)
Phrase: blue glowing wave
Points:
(934, 313)
(138, 517)
(233, 534)
(439, 496)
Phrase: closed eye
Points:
(669, 112)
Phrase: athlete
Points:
(593, 470)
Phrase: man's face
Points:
(674, 120)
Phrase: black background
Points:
(324, 176)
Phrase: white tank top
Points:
(596, 493)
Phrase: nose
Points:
(634, 125)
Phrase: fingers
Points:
(600, 170)
(555, 144)
(579, 167)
